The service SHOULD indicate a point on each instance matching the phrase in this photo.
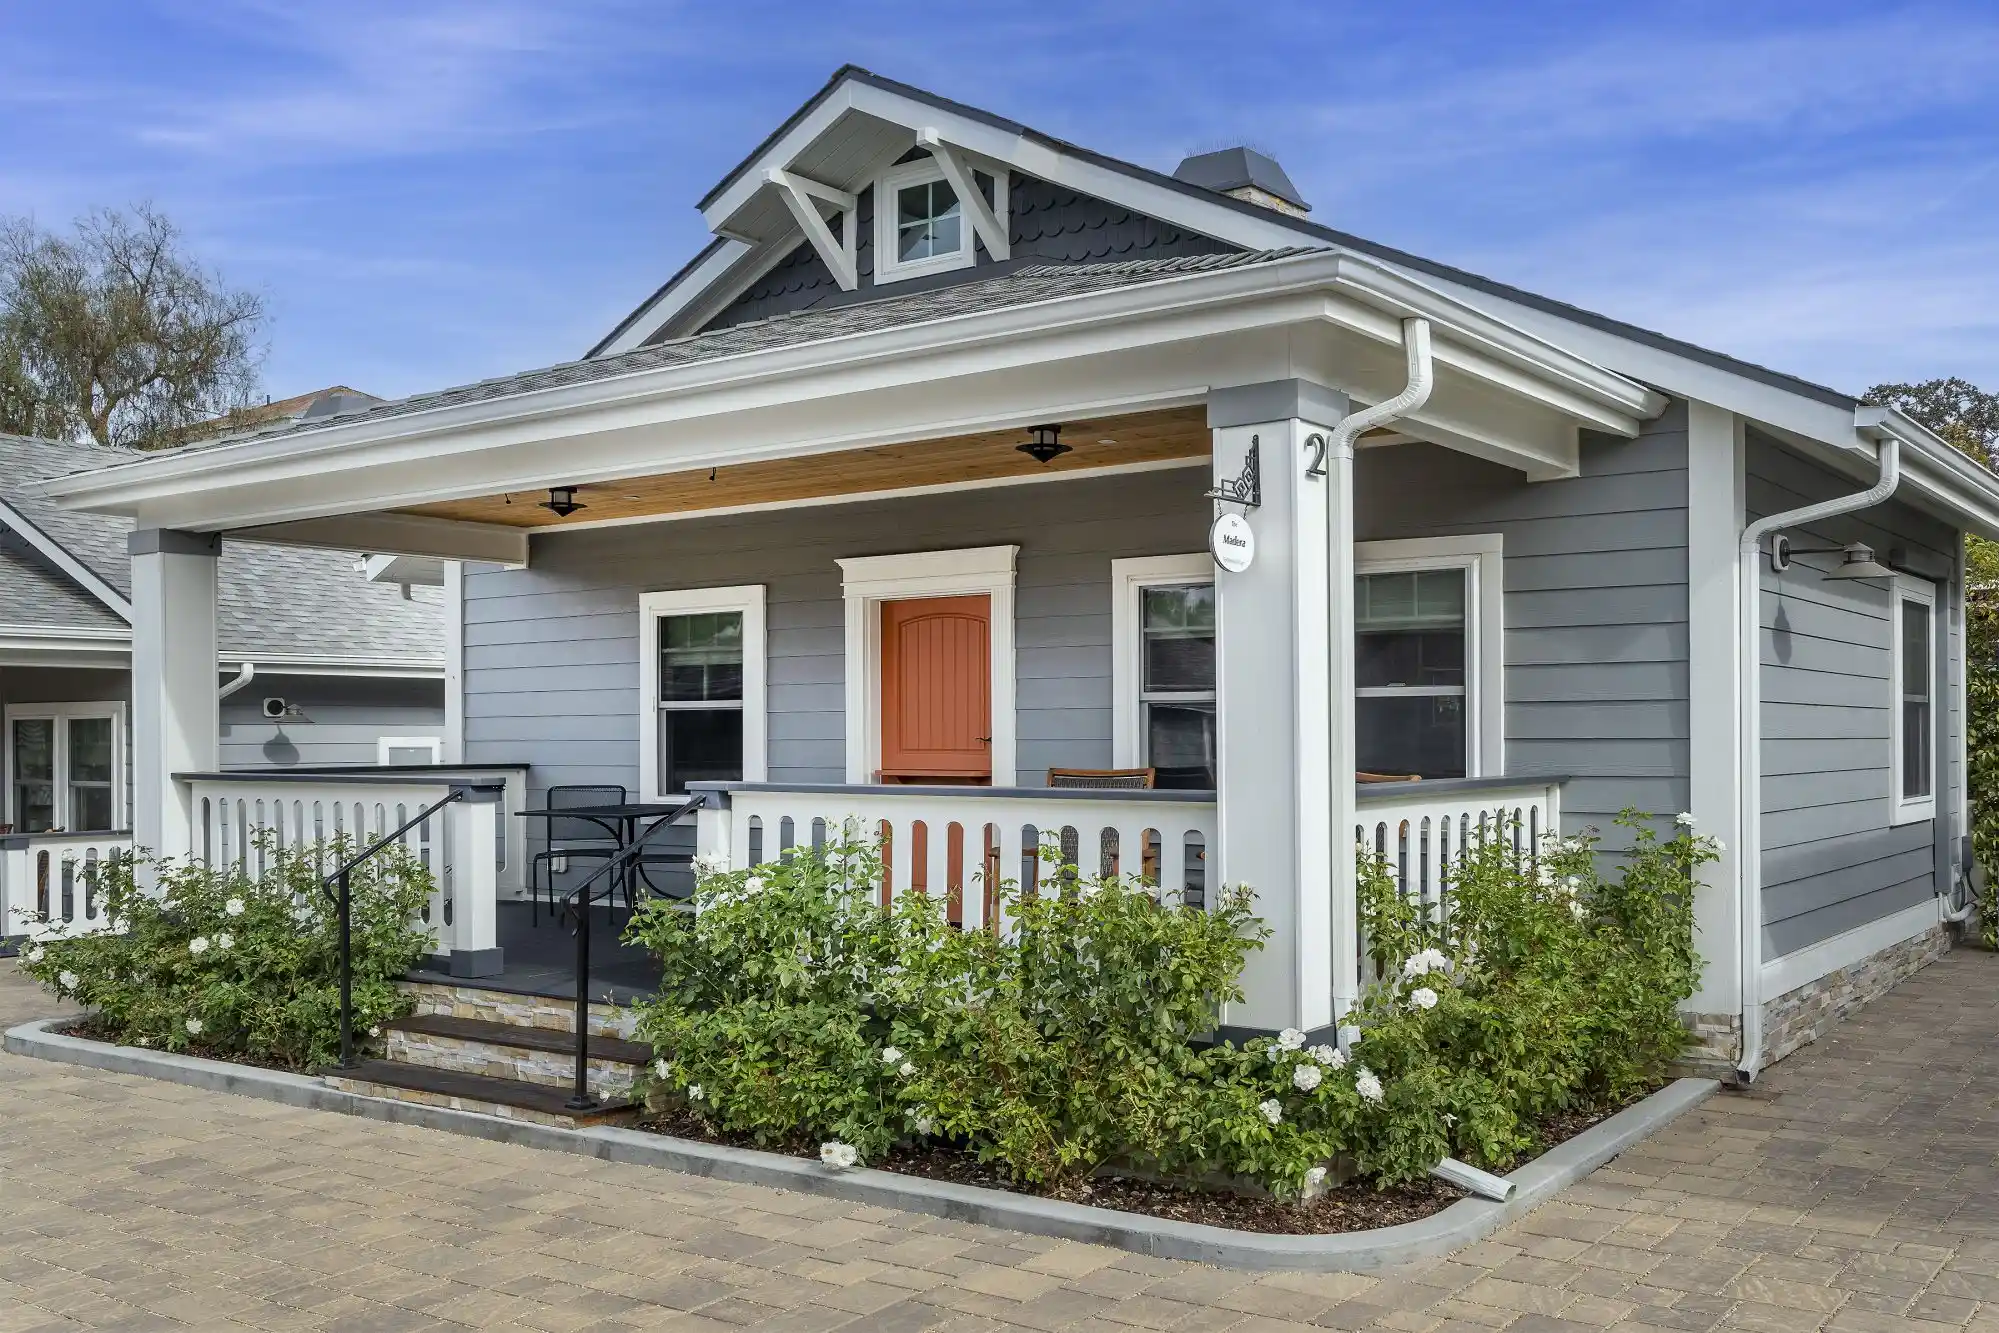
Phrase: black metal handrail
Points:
(342, 897)
(578, 900)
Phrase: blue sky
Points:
(429, 193)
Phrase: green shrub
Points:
(797, 1009)
(236, 965)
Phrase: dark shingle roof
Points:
(1019, 286)
(271, 600)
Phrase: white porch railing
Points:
(56, 880)
(939, 840)
(241, 820)
(1422, 828)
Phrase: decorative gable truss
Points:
(803, 197)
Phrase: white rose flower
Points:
(1306, 1077)
(66, 980)
(1323, 1054)
(1291, 1039)
(1424, 963)
(1367, 1085)
(1273, 1052)
(907, 1069)
(1684, 819)
(198, 945)
(1315, 1177)
(924, 1126)
(143, 1041)
(374, 1032)
(1273, 1111)
(1577, 910)
(754, 884)
(225, 941)
(1423, 998)
(661, 1068)
(36, 954)
(891, 1054)
(1349, 1035)
(234, 907)
(711, 863)
(1339, 1060)
(694, 1092)
(1720, 847)
(194, 1027)
(838, 1155)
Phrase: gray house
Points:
(316, 665)
(972, 485)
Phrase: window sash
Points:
(1915, 713)
(53, 795)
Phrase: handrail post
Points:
(580, 1099)
(346, 967)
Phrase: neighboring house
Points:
(318, 665)
(899, 499)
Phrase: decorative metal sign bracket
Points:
(1247, 489)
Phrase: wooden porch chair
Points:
(1101, 779)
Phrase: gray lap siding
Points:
(1832, 860)
(551, 651)
(1596, 605)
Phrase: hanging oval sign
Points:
(1233, 543)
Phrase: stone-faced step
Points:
(509, 1099)
(501, 1050)
(498, 1006)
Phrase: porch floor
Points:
(540, 958)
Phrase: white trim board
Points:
(385, 744)
(1783, 975)
(749, 600)
(59, 555)
(1904, 589)
(867, 582)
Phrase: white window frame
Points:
(434, 744)
(61, 713)
(747, 599)
(922, 172)
(868, 581)
(1482, 557)
(1901, 809)
(1129, 580)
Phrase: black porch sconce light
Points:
(1856, 559)
(562, 501)
(1046, 446)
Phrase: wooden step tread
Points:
(615, 1049)
(535, 1097)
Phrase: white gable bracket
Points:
(798, 193)
(958, 171)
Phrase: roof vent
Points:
(1243, 173)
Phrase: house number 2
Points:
(1315, 445)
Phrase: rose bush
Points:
(240, 965)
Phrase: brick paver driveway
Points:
(1857, 1190)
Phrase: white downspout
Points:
(1340, 648)
(244, 675)
(1749, 663)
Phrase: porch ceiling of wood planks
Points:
(1171, 435)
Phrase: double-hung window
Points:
(1427, 657)
(65, 767)
(702, 688)
(1163, 662)
(1913, 680)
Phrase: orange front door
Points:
(936, 678)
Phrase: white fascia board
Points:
(197, 488)
(781, 155)
(692, 286)
(58, 555)
(417, 535)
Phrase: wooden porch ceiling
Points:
(1173, 434)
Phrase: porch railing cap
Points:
(717, 794)
(1381, 793)
(359, 778)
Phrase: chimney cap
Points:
(1228, 170)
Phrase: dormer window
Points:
(920, 222)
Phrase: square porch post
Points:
(1279, 775)
(176, 716)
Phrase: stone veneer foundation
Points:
(1802, 1015)
(537, 1011)
(610, 1079)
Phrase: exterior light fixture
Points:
(1046, 446)
(1856, 559)
(562, 501)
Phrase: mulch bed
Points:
(1355, 1206)
(92, 1028)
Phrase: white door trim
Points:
(868, 581)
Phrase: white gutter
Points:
(1749, 664)
(244, 675)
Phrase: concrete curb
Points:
(1462, 1223)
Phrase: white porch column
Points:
(1275, 726)
(176, 717)
(473, 837)
(1715, 519)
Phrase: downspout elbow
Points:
(244, 675)
(1422, 378)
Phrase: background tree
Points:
(1968, 418)
(116, 334)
